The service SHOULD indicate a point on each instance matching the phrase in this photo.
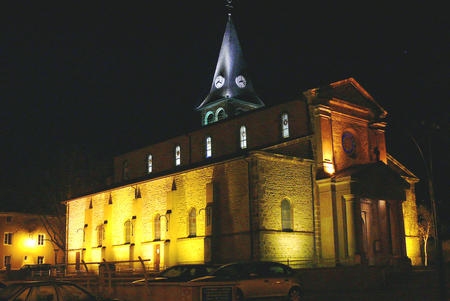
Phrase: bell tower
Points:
(231, 90)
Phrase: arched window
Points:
(100, 234)
(157, 228)
(149, 163)
(177, 155)
(209, 118)
(286, 216)
(208, 147)
(220, 114)
(284, 125)
(192, 223)
(127, 228)
(243, 137)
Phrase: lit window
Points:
(209, 117)
(150, 163)
(40, 240)
(286, 217)
(208, 147)
(8, 238)
(157, 227)
(100, 234)
(285, 125)
(243, 135)
(177, 155)
(220, 114)
(40, 260)
(125, 170)
(192, 223)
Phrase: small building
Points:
(307, 182)
(26, 241)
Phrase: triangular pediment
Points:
(348, 93)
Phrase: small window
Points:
(209, 118)
(149, 163)
(208, 147)
(40, 260)
(128, 227)
(157, 227)
(7, 260)
(125, 174)
(9, 219)
(8, 238)
(286, 216)
(192, 223)
(243, 137)
(208, 215)
(220, 114)
(40, 241)
(100, 234)
(177, 155)
(285, 125)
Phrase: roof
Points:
(230, 66)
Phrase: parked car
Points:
(179, 273)
(45, 290)
(32, 271)
(252, 280)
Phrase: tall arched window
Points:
(284, 125)
(127, 231)
(149, 163)
(100, 234)
(286, 216)
(208, 147)
(243, 137)
(177, 155)
(157, 228)
(192, 223)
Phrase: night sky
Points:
(109, 79)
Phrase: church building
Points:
(308, 182)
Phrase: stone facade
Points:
(229, 206)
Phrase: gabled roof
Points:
(347, 91)
(230, 65)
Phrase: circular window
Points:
(348, 143)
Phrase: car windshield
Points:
(185, 271)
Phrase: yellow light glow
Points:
(328, 167)
(30, 242)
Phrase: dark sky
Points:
(112, 78)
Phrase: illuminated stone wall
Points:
(242, 190)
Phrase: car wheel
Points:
(294, 294)
(239, 296)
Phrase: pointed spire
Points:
(231, 89)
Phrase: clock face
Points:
(219, 81)
(241, 82)
(348, 143)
